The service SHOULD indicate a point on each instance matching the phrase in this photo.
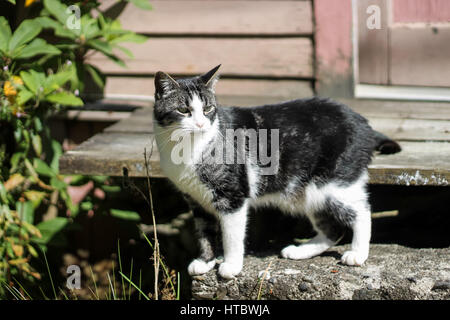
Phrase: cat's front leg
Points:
(233, 225)
(206, 228)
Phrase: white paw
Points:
(296, 252)
(229, 270)
(354, 258)
(198, 266)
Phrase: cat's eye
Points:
(208, 109)
(184, 111)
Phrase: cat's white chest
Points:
(183, 173)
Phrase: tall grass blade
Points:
(17, 281)
(140, 282)
(137, 288)
(124, 292)
(131, 278)
(111, 286)
(95, 283)
(50, 275)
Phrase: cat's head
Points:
(188, 104)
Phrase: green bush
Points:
(42, 71)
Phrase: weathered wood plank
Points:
(140, 121)
(220, 17)
(373, 62)
(400, 109)
(412, 129)
(109, 153)
(237, 87)
(419, 55)
(419, 163)
(269, 57)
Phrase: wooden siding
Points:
(221, 17)
(420, 56)
(333, 47)
(373, 45)
(225, 87)
(421, 11)
(265, 47)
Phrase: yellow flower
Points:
(9, 88)
(29, 2)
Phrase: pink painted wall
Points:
(421, 10)
(333, 39)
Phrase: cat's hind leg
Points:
(329, 232)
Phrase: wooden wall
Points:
(265, 47)
(412, 46)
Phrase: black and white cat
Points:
(319, 153)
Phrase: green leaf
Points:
(86, 205)
(30, 168)
(65, 98)
(126, 51)
(89, 27)
(3, 193)
(23, 96)
(101, 46)
(12, 1)
(126, 215)
(5, 34)
(57, 183)
(26, 211)
(50, 228)
(129, 37)
(15, 159)
(38, 124)
(60, 29)
(36, 47)
(111, 189)
(98, 77)
(57, 9)
(42, 168)
(60, 78)
(26, 31)
(31, 80)
(35, 197)
(142, 4)
(37, 144)
(57, 152)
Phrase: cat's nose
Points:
(199, 124)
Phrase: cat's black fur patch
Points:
(320, 140)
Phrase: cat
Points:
(318, 167)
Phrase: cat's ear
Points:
(211, 77)
(164, 84)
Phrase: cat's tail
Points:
(385, 144)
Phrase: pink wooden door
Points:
(411, 47)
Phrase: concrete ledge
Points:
(391, 272)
